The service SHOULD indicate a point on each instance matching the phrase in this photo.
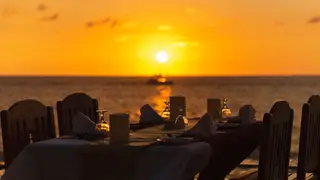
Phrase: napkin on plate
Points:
(204, 129)
(82, 124)
(149, 115)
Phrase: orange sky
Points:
(203, 37)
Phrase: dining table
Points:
(143, 158)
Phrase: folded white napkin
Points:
(205, 128)
(180, 122)
(149, 115)
(82, 124)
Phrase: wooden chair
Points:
(309, 145)
(70, 106)
(25, 122)
(275, 146)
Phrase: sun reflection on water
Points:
(158, 101)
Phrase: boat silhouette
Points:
(159, 80)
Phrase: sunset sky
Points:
(122, 37)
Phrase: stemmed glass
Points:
(30, 138)
(185, 120)
(166, 112)
(102, 125)
(226, 111)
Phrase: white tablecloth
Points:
(75, 159)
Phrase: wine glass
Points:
(102, 125)
(185, 120)
(30, 138)
(226, 111)
(166, 112)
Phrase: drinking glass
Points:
(226, 111)
(185, 120)
(30, 138)
(102, 125)
(166, 112)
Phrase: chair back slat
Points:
(22, 120)
(70, 106)
(309, 144)
(276, 143)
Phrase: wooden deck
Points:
(250, 166)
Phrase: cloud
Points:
(8, 11)
(98, 22)
(114, 23)
(41, 7)
(185, 44)
(179, 44)
(106, 21)
(51, 18)
(164, 28)
(279, 23)
(314, 20)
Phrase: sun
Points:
(162, 56)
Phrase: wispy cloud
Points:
(100, 22)
(185, 44)
(8, 11)
(51, 18)
(105, 21)
(42, 7)
(179, 44)
(279, 23)
(164, 28)
(314, 20)
(114, 23)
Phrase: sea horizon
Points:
(147, 76)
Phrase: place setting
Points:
(116, 131)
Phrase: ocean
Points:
(128, 94)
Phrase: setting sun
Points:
(162, 57)
(47, 38)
